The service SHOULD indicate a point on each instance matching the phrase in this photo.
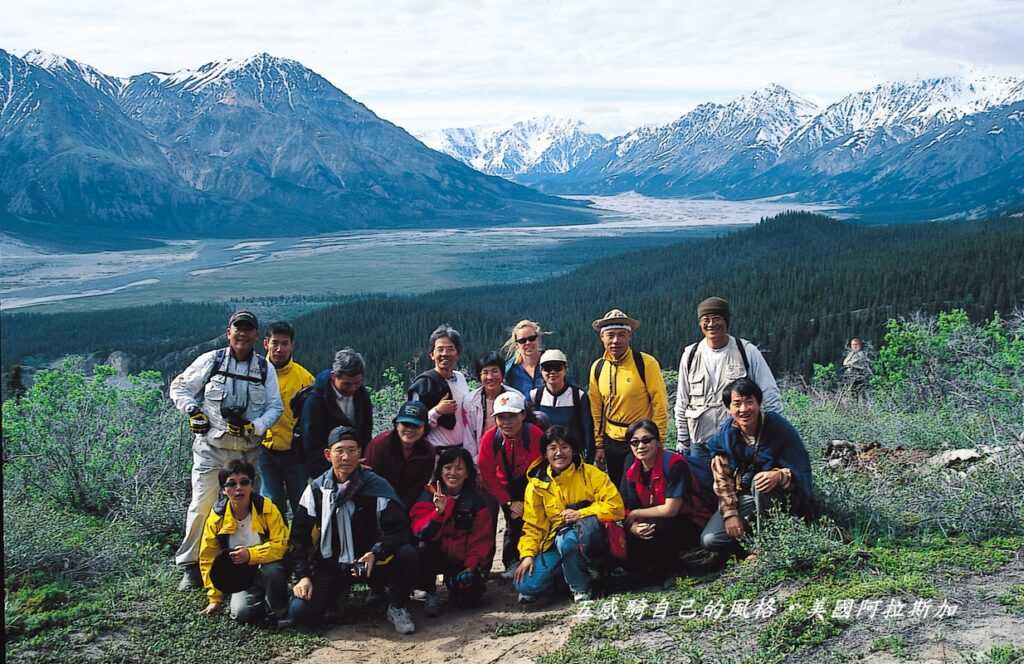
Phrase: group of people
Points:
(582, 477)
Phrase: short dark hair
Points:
(646, 425)
(449, 455)
(446, 330)
(489, 359)
(558, 432)
(281, 327)
(743, 387)
(236, 466)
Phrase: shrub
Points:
(99, 445)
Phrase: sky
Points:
(430, 64)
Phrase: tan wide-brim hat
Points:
(616, 318)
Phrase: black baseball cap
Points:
(341, 433)
(243, 316)
(412, 412)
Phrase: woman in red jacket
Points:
(452, 523)
(506, 451)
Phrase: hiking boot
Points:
(191, 579)
(510, 571)
(433, 605)
(580, 597)
(401, 619)
(527, 599)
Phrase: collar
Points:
(626, 357)
(286, 368)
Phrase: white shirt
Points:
(347, 405)
(438, 436)
(713, 359)
(244, 534)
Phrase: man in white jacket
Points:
(706, 367)
(231, 398)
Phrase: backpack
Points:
(218, 361)
(297, 403)
(740, 343)
(516, 486)
(537, 414)
(638, 360)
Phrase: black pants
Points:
(656, 558)
(434, 561)
(510, 543)
(617, 458)
(333, 581)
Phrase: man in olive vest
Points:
(706, 367)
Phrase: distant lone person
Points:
(857, 366)
(231, 398)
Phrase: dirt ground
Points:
(455, 635)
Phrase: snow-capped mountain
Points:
(235, 147)
(737, 139)
(528, 149)
(901, 111)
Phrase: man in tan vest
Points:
(706, 367)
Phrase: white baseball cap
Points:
(509, 402)
(553, 355)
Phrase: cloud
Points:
(429, 64)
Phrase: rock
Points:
(956, 459)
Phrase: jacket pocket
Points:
(215, 390)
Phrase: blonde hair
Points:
(511, 348)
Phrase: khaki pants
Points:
(207, 462)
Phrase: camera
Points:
(233, 414)
(359, 570)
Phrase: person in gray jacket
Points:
(231, 398)
(705, 368)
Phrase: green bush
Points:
(107, 447)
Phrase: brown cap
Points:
(615, 318)
(713, 306)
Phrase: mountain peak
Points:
(46, 60)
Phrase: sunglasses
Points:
(526, 340)
(636, 442)
(552, 368)
(231, 484)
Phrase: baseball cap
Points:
(243, 316)
(509, 402)
(412, 412)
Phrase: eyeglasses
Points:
(231, 484)
(637, 442)
(552, 368)
(526, 340)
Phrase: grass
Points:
(134, 619)
(1013, 599)
(808, 603)
(1007, 654)
(514, 627)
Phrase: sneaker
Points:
(418, 595)
(580, 597)
(191, 579)
(401, 619)
(527, 599)
(433, 605)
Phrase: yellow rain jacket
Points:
(619, 397)
(290, 379)
(547, 497)
(266, 521)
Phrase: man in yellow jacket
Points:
(250, 531)
(282, 470)
(625, 386)
(561, 494)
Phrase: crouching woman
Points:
(665, 506)
(757, 461)
(562, 494)
(245, 538)
(452, 524)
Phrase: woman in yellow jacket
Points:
(561, 493)
(249, 530)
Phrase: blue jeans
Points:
(560, 562)
(283, 475)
